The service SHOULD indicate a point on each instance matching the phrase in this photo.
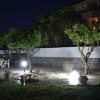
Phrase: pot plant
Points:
(86, 38)
(83, 79)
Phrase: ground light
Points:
(73, 78)
(24, 64)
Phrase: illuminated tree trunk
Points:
(85, 57)
(85, 66)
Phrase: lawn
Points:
(11, 91)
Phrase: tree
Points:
(53, 25)
(25, 40)
(83, 36)
(44, 24)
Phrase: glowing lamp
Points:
(24, 63)
(73, 78)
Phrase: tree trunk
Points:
(29, 60)
(86, 56)
(84, 59)
(85, 68)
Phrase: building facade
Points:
(89, 10)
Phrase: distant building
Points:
(89, 10)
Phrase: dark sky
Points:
(20, 13)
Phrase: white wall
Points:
(63, 52)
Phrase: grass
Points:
(10, 91)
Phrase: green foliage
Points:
(23, 39)
(3, 43)
(54, 24)
(80, 34)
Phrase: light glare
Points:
(73, 78)
(24, 63)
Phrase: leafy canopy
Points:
(80, 34)
(23, 39)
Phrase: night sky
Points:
(20, 13)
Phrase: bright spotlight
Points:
(24, 63)
(73, 78)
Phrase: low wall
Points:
(64, 64)
(62, 59)
(69, 52)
